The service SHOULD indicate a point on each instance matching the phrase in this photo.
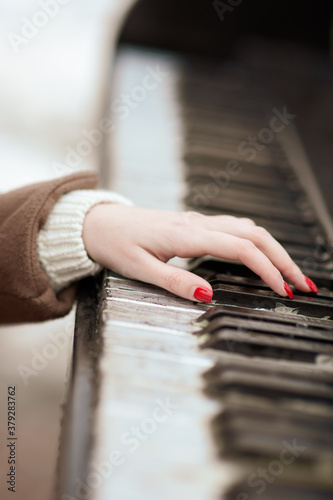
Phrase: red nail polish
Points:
(313, 287)
(203, 294)
(288, 290)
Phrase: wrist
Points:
(60, 244)
(91, 227)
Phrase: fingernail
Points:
(203, 294)
(313, 287)
(288, 290)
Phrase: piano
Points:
(232, 400)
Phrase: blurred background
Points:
(289, 41)
(55, 62)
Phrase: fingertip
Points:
(202, 294)
(312, 286)
(288, 290)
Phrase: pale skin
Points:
(137, 243)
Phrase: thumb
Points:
(175, 280)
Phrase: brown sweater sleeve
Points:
(25, 293)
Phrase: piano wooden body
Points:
(233, 400)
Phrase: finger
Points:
(231, 247)
(271, 248)
(278, 256)
(217, 222)
(175, 280)
(202, 242)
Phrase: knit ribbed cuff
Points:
(60, 246)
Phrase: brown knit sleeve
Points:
(25, 293)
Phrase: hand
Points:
(137, 243)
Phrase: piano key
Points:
(251, 371)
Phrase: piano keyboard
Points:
(232, 400)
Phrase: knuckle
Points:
(226, 217)
(244, 248)
(183, 222)
(191, 216)
(289, 269)
(173, 281)
(248, 221)
(260, 233)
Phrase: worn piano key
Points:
(249, 373)
(257, 344)
(268, 444)
(200, 153)
(200, 143)
(208, 174)
(282, 384)
(256, 349)
(241, 418)
(243, 427)
(316, 264)
(247, 297)
(277, 412)
(317, 413)
(254, 327)
(221, 311)
(257, 283)
(159, 316)
(238, 207)
(303, 251)
(209, 266)
(246, 192)
(278, 491)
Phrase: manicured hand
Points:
(137, 243)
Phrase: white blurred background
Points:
(54, 73)
(55, 63)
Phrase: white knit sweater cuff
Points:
(60, 246)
